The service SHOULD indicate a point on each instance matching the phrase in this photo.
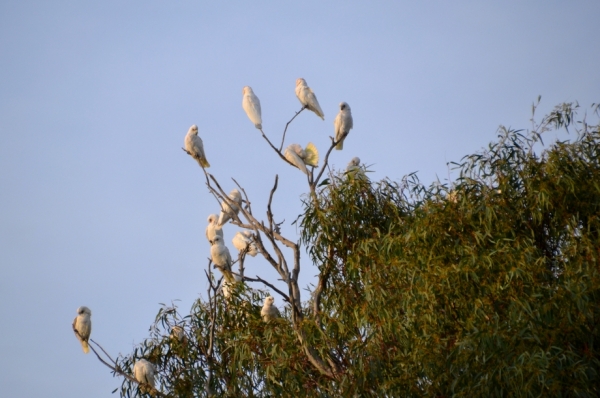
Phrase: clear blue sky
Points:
(100, 207)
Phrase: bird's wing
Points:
(313, 104)
(251, 105)
(295, 160)
(75, 330)
(199, 151)
(349, 121)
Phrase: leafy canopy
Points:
(487, 287)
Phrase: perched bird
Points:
(143, 371)
(213, 229)
(177, 334)
(269, 311)
(243, 241)
(308, 98)
(354, 170)
(227, 287)
(342, 124)
(251, 105)
(220, 256)
(194, 147)
(82, 325)
(452, 196)
(228, 211)
(301, 157)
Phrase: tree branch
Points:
(287, 124)
(116, 368)
(261, 280)
(276, 150)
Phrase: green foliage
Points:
(489, 287)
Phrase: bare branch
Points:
(276, 150)
(261, 280)
(325, 162)
(249, 208)
(287, 124)
(269, 212)
(117, 369)
(105, 353)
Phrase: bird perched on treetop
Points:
(243, 241)
(194, 147)
(221, 257)
(82, 325)
(251, 105)
(177, 334)
(269, 311)
(354, 170)
(308, 98)
(213, 229)
(143, 371)
(301, 157)
(228, 211)
(342, 125)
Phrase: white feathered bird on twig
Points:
(269, 311)
(228, 211)
(354, 170)
(143, 371)
(308, 98)
(194, 147)
(82, 325)
(342, 125)
(213, 229)
(221, 257)
(251, 105)
(302, 157)
(243, 241)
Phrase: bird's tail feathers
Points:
(228, 276)
(340, 146)
(223, 218)
(86, 346)
(312, 155)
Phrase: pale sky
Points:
(100, 207)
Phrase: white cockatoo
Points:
(342, 124)
(354, 170)
(228, 211)
(269, 311)
(194, 147)
(82, 325)
(221, 257)
(251, 105)
(308, 98)
(143, 371)
(213, 229)
(243, 241)
(452, 196)
(227, 287)
(301, 157)
(177, 334)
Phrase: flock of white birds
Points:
(243, 241)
